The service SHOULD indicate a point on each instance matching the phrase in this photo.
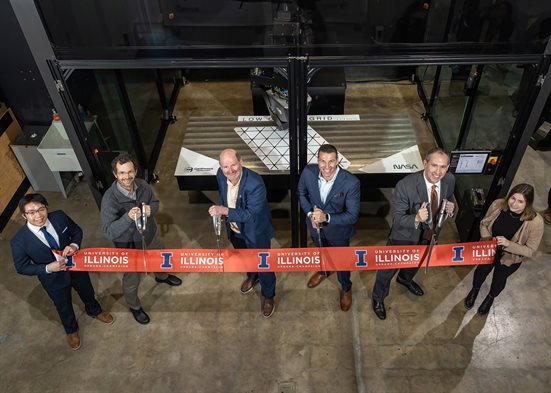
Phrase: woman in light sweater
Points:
(518, 229)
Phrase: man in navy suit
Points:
(415, 202)
(330, 196)
(33, 248)
(248, 219)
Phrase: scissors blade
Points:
(320, 248)
(144, 254)
(431, 245)
(217, 225)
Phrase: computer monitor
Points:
(469, 161)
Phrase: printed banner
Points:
(280, 259)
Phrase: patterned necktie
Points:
(50, 239)
(433, 212)
(433, 204)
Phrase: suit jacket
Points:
(524, 242)
(342, 202)
(409, 194)
(252, 213)
(31, 256)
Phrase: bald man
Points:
(248, 219)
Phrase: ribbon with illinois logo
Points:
(280, 259)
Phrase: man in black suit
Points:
(415, 202)
(40, 249)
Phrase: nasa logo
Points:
(405, 166)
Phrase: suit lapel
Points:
(422, 188)
(242, 183)
(224, 191)
(443, 191)
(316, 200)
(59, 231)
(335, 188)
(34, 241)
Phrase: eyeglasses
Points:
(33, 212)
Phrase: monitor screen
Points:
(468, 161)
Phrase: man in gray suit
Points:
(120, 206)
(416, 200)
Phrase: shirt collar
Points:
(230, 184)
(332, 180)
(125, 192)
(429, 185)
(35, 229)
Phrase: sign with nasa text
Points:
(280, 259)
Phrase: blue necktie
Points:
(50, 239)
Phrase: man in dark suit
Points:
(40, 249)
(330, 196)
(416, 201)
(248, 219)
(121, 204)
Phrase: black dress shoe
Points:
(471, 297)
(140, 316)
(171, 280)
(412, 286)
(379, 309)
(486, 305)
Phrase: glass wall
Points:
(475, 109)
(145, 101)
(498, 99)
(322, 26)
(121, 111)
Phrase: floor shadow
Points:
(445, 352)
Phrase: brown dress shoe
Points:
(267, 307)
(105, 317)
(74, 340)
(248, 285)
(346, 300)
(316, 280)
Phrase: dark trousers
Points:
(267, 280)
(384, 277)
(131, 280)
(344, 276)
(549, 194)
(499, 279)
(64, 303)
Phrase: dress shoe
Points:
(346, 300)
(74, 340)
(248, 285)
(471, 297)
(171, 280)
(486, 305)
(267, 307)
(140, 316)
(547, 216)
(105, 317)
(316, 280)
(412, 286)
(379, 309)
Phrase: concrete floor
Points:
(206, 337)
